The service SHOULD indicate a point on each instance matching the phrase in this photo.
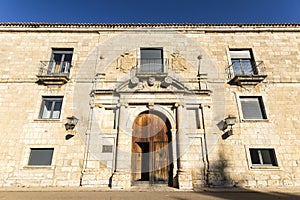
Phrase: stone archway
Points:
(151, 159)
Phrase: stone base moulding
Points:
(120, 180)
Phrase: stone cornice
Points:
(97, 27)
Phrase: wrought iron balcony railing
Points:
(151, 66)
(246, 72)
(53, 73)
(245, 68)
(54, 68)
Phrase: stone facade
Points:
(107, 87)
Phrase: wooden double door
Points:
(151, 149)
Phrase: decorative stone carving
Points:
(151, 81)
(177, 62)
(167, 81)
(126, 62)
(151, 105)
(146, 85)
(134, 80)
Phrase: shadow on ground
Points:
(238, 193)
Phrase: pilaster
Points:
(122, 175)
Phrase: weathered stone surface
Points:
(106, 94)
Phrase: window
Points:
(151, 60)
(60, 61)
(40, 156)
(107, 148)
(263, 157)
(51, 108)
(253, 108)
(242, 62)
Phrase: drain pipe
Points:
(204, 150)
(205, 158)
(91, 114)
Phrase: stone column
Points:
(122, 174)
(184, 176)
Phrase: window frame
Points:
(160, 61)
(262, 167)
(262, 159)
(254, 70)
(52, 99)
(64, 65)
(33, 163)
(262, 108)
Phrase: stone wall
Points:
(96, 65)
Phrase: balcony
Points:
(54, 73)
(151, 67)
(245, 72)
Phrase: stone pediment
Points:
(152, 84)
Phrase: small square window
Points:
(40, 156)
(263, 157)
(107, 149)
(253, 107)
(51, 108)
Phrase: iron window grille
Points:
(151, 60)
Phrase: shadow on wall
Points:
(221, 185)
(217, 176)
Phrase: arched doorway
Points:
(151, 158)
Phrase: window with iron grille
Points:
(151, 60)
(51, 108)
(252, 107)
(263, 157)
(40, 156)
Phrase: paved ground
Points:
(206, 194)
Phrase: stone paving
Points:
(152, 193)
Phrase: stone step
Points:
(145, 186)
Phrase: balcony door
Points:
(60, 61)
(242, 62)
(151, 60)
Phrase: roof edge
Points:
(139, 25)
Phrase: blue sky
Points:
(151, 11)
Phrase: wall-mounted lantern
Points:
(228, 122)
(71, 123)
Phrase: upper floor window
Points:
(60, 61)
(263, 157)
(40, 156)
(51, 108)
(253, 107)
(242, 61)
(151, 60)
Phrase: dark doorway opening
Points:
(144, 160)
